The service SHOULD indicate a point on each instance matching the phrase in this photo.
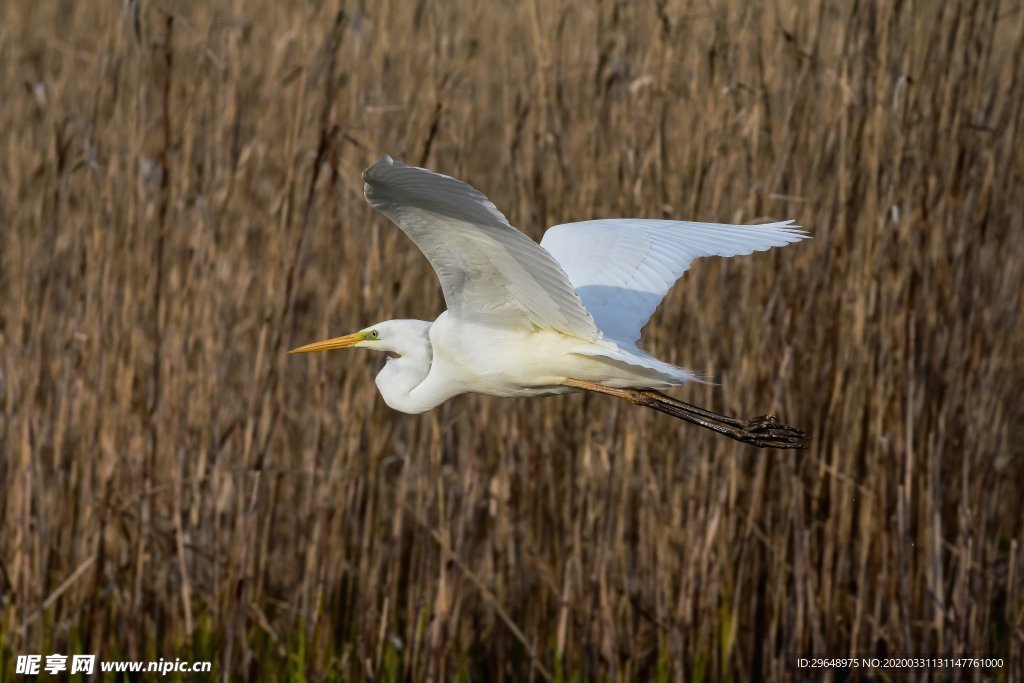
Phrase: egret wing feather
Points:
(623, 268)
(644, 363)
(489, 271)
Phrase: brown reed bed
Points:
(180, 203)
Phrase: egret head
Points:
(392, 335)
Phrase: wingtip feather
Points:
(371, 171)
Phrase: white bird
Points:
(531, 320)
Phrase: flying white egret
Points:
(530, 320)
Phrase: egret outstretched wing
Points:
(489, 271)
(623, 268)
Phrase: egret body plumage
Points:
(528, 319)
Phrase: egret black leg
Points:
(764, 431)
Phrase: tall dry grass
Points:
(180, 203)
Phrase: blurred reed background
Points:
(180, 203)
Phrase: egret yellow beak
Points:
(328, 344)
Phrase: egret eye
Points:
(373, 334)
